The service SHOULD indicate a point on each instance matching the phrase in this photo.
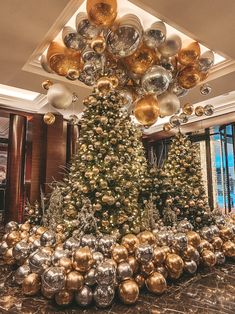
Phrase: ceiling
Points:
(27, 27)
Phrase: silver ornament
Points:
(171, 46)
(164, 238)
(35, 245)
(206, 233)
(105, 274)
(180, 241)
(168, 103)
(123, 40)
(53, 279)
(220, 221)
(58, 254)
(21, 272)
(90, 277)
(89, 240)
(84, 296)
(85, 28)
(215, 230)
(71, 244)
(208, 110)
(174, 121)
(59, 96)
(11, 226)
(206, 61)
(21, 250)
(72, 39)
(105, 244)
(183, 118)
(155, 35)
(48, 238)
(205, 89)
(124, 271)
(190, 266)
(98, 257)
(156, 80)
(220, 258)
(144, 253)
(39, 261)
(33, 230)
(184, 226)
(178, 90)
(103, 296)
(45, 65)
(127, 98)
(3, 247)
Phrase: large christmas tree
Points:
(182, 192)
(107, 173)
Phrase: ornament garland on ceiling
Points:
(150, 69)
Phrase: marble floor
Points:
(210, 291)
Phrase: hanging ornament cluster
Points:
(89, 269)
(110, 52)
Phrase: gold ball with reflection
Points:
(189, 77)
(12, 238)
(146, 110)
(133, 263)
(8, 257)
(146, 237)
(167, 127)
(64, 297)
(66, 264)
(193, 238)
(140, 280)
(47, 84)
(187, 109)
(74, 281)
(199, 111)
(208, 257)
(83, 259)
(98, 44)
(31, 284)
(104, 85)
(174, 263)
(49, 118)
(128, 291)
(226, 233)
(158, 256)
(229, 249)
(101, 12)
(119, 253)
(189, 54)
(217, 243)
(131, 242)
(147, 268)
(156, 283)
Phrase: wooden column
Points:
(72, 137)
(15, 167)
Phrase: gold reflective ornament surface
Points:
(189, 77)
(101, 12)
(131, 242)
(74, 281)
(140, 280)
(104, 85)
(47, 84)
(146, 237)
(83, 259)
(174, 263)
(98, 44)
(199, 111)
(12, 238)
(129, 291)
(119, 253)
(146, 110)
(31, 284)
(133, 263)
(49, 118)
(189, 54)
(156, 283)
(167, 127)
(229, 249)
(194, 238)
(187, 109)
(64, 297)
(208, 257)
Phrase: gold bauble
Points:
(8, 257)
(193, 238)
(129, 291)
(104, 85)
(187, 109)
(174, 275)
(119, 253)
(146, 110)
(189, 54)
(189, 77)
(147, 268)
(32, 238)
(59, 228)
(24, 235)
(62, 59)
(49, 118)
(47, 84)
(229, 249)
(83, 259)
(192, 203)
(47, 293)
(199, 111)
(174, 263)
(208, 257)
(140, 280)
(31, 284)
(156, 283)
(217, 243)
(66, 264)
(141, 59)
(189, 253)
(158, 256)
(74, 281)
(133, 263)
(205, 245)
(64, 297)
(101, 12)
(166, 250)
(131, 242)
(226, 233)
(114, 80)
(146, 237)
(98, 44)
(25, 227)
(167, 127)
(13, 238)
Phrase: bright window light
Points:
(19, 93)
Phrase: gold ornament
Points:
(147, 268)
(62, 59)
(74, 281)
(41, 230)
(64, 297)
(8, 257)
(205, 245)
(131, 242)
(174, 275)
(167, 127)
(189, 54)
(187, 109)
(104, 85)
(114, 80)
(133, 263)
(158, 256)
(66, 264)
(49, 118)
(31, 284)
(208, 257)
(156, 283)
(83, 259)
(47, 84)
(141, 59)
(146, 237)
(189, 253)
(129, 291)
(217, 243)
(98, 44)
(140, 280)
(12, 238)
(226, 233)
(146, 110)
(189, 77)
(174, 263)
(119, 253)
(47, 293)
(193, 238)
(229, 249)
(199, 111)
(101, 12)
(24, 235)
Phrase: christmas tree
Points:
(182, 193)
(108, 170)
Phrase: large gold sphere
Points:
(146, 237)
(119, 253)
(174, 263)
(131, 242)
(226, 233)
(199, 111)
(133, 263)
(104, 85)
(12, 238)
(98, 44)
(101, 12)
(74, 280)
(156, 283)
(229, 249)
(49, 118)
(208, 257)
(158, 256)
(193, 238)
(31, 284)
(129, 291)
(83, 259)
(187, 109)
(189, 54)
(189, 77)
(217, 243)
(64, 297)
(146, 110)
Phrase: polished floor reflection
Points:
(210, 291)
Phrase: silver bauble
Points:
(155, 35)
(184, 226)
(208, 110)
(48, 238)
(84, 27)
(127, 98)
(11, 226)
(205, 89)
(105, 274)
(20, 274)
(39, 261)
(72, 39)
(156, 80)
(3, 247)
(84, 296)
(190, 266)
(103, 296)
(45, 65)
(180, 241)
(98, 257)
(164, 238)
(206, 233)
(215, 230)
(105, 244)
(21, 250)
(175, 121)
(124, 271)
(90, 277)
(220, 258)
(89, 240)
(168, 103)
(206, 61)
(144, 253)
(171, 46)
(71, 244)
(183, 118)
(57, 255)
(59, 96)
(53, 278)
(35, 245)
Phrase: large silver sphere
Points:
(155, 35)
(21, 272)
(48, 238)
(156, 80)
(90, 277)
(21, 250)
(164, 238)
(58, 254)
(105, 274)
(180, 241)
(89, 240)
(105, 244)
(84, 296)
(85, 28)
(103, 296)
(144, 253)
(71, 244)
(11, 226)
(169, 104)
(59, 96)
(72, 39)
(190, 266)
(206, 61)
(184, 226)
(171, 46)
(39, 261)
(53, 279)
(124, 271)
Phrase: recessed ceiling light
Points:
(19, 93)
